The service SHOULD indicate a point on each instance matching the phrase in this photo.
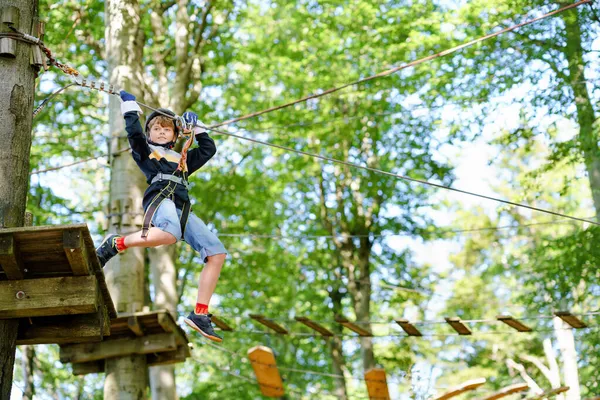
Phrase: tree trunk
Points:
(27, 366)
(164, 277)
(335, 346)
(585, 112)
(126, 377)
(566, 343)
(16, 110)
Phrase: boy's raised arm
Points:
(206, 149)
(135, 133)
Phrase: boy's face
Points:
(161, 134)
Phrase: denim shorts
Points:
(197, 234)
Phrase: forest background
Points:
(514, 117)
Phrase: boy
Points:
(166, 203)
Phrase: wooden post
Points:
(265, 368)
(17, 85)
(377, 384)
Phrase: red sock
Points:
(201, 309)
(120, 242)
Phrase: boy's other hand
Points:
(190, 118)
(126, 96)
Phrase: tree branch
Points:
(511, 364)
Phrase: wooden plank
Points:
(570, 319)
(86, 352)
(166, 321)
(313, 325)
(507, 391)
(552, 392)
(168, 357)
(48, 296)
(62, 329)
(269, 323)
(465, 387)
(10, 259)
(352, 326)
(458, 326)
(94, 367)
(221, 324)
(38, 231)
(76, 253)
(513, 323)
(377, 384)
(134, 326)
(265, 368)
(409, 328)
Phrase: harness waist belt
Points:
(168, 177)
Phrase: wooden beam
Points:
(76, 252)
(163, 358)
(507, 391)
(221, 324)
(409, 328)
(48, 296)
(265, 368)
(166, 321)
(552, 392)
(10, 259)
(269, 323)
(377, 384)
(313, 325)
(458, 326)
(65, 329)
(570, 319)
(513, 323)
(134, 326)
(93, 367)
(352, 326)
(465, 387)
(168, 357)
(86, 352)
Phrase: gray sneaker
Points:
(202, 324)
(107, 249)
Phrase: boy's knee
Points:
(219, 258)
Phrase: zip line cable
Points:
(113, 90)
(403, 177)
(403, 66)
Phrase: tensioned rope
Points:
(403, 66)
(473, 335)
(112, 90)
(403, 177)
(430, 322)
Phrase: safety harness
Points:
(179, 177)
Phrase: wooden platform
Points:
(52, 281)
(152, 333)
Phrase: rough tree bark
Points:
(16, 110)
(335, 344)
(588, 138)
(126, 377)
